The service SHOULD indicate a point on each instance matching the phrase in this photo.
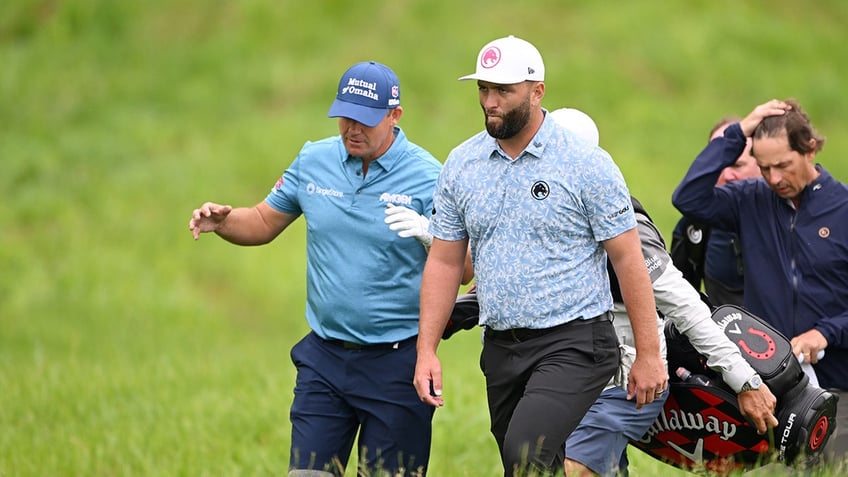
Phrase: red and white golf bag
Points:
(701, 425)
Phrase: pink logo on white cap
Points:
(491, 57)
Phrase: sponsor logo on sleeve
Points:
(619, 212)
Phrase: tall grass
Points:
(128, 349)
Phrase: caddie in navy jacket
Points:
(793, 225)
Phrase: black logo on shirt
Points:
(621, 211)
(540, 190)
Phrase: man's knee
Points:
(576, 469)
(521, 455)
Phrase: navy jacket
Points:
(796, 261)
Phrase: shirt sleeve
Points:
(446, 223)
(653, 247)
(283, 196)
(607, 200)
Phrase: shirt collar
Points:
(392, 155)
(819, 184)
(823, 178)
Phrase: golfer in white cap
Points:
(541, 210)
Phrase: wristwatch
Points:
(752, 384)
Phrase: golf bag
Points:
(701, 425)
(465, 314)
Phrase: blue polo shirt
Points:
(535, 225)
(362, 280)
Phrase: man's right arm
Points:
(442, 274)
(242, 226)
(696, 194)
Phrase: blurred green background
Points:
(126, 348)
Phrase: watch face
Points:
(756, 381)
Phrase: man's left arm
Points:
(648, 377)
(810, 343)
(828, 331)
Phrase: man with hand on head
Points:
(714, 256)
(794, 237)
(355, 368)
(598, 445)
(540, 228)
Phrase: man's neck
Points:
(379, 154)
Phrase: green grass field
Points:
(128, 349)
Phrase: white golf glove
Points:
(408, 223)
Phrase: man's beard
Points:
(511, 123)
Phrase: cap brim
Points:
(492, 79)
(361, 114)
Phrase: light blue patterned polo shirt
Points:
(535, 225)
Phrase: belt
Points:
(518, 335)
(351, 345)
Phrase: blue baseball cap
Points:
(367, 91)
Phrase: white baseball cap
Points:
(577, 122)
(508, 60)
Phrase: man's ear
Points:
(539, 91)
(396, 113)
